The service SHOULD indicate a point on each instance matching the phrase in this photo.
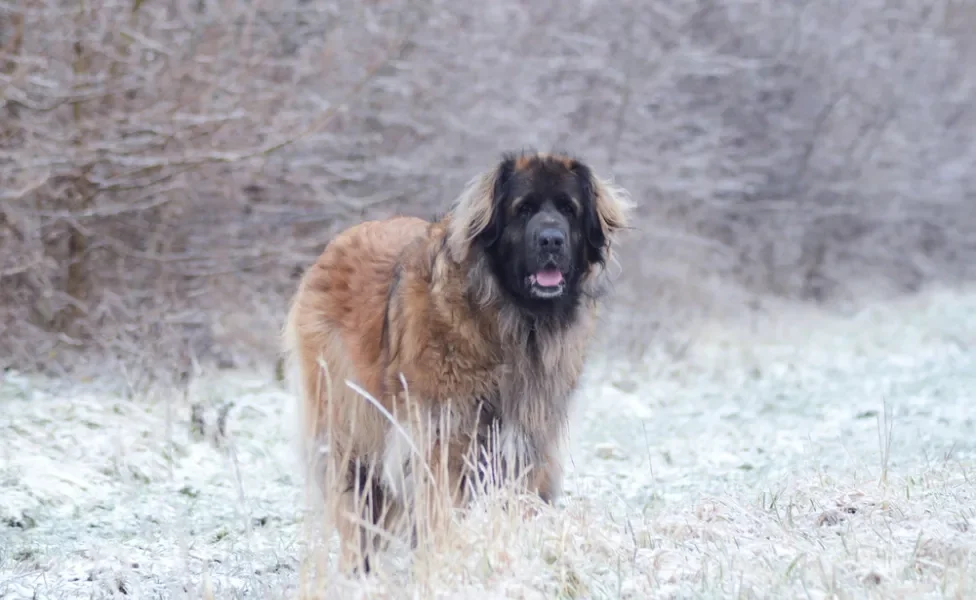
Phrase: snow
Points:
(808, 454)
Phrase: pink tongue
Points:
(549, 277)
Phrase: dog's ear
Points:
(605, 209)
(492, 232)
(476, 214)
(594, 233)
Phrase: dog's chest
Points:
(534, 387)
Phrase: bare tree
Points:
(132, 132)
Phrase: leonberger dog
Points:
(476, 324)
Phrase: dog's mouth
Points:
(547, 283)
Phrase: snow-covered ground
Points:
(809, 455)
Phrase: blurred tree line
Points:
(168, 167)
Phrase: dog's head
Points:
(543, 222)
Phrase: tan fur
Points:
(450, 336)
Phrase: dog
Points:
(476, 323)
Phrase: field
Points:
(799, 454)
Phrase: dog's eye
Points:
(525, 209)
(564, 204)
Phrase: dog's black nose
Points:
(551, 239)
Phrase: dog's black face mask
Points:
(541, 239)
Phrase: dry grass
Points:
(803, 455)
